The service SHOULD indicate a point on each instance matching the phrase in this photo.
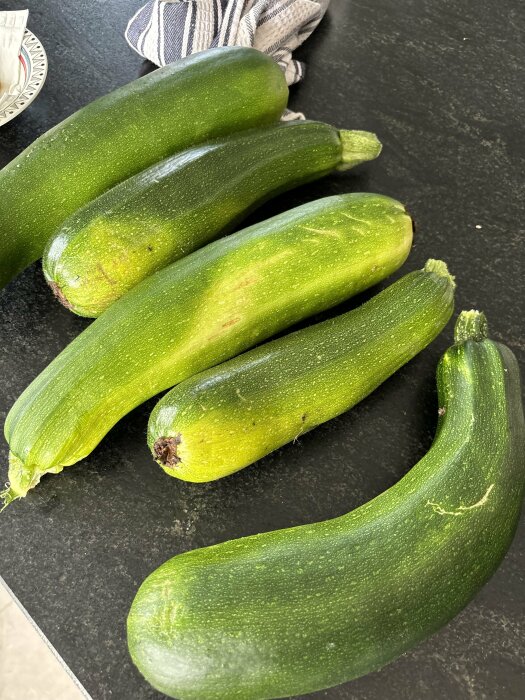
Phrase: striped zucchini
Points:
(199, 311)
(289, 612)
(126, 131)
(185, 201)
(232, 415)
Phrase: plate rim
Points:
(33, 84)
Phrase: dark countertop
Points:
(440, 84)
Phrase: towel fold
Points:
(12, 27)
(164, 31)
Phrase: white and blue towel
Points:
(164, 31)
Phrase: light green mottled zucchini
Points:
(203, 96)
(292, 611)
(229, 416)
(199, 311)
(185, 201)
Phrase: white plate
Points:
(34, 70)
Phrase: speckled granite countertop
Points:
(439, 83)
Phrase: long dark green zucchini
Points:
(185, 201)
(232, 415)
(203, 96)
(293, 611)
(199, 311)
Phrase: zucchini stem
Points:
(471, 325)
(439, 267)
(7, 497)
(358, 147)
(21, 480)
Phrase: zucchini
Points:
(200, 97)
(197, 312)
(232, 415)
(289, 612)
(185, 201)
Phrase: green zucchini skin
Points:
(184, 202)
(227, 417)
(126, 131)
(293, 611)
(197, 312)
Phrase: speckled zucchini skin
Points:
(289, 612)
(200, 97)
(200, 311)
(184, 202)
(232, 415)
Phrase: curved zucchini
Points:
(200, 97)
(232, 415)
(293, 611)
(199, 311)
(185, 201)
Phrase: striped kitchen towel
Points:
(166, 31)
